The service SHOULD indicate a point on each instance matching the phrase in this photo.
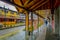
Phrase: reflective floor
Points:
(13, 34)
(18, 33)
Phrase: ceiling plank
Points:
(40, 5)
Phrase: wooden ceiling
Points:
(33, 5)
(25, 6)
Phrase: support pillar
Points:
(52, 12)
(57, 21)
(31, 22)
(31, 26)
(27, 21)
(27, 27)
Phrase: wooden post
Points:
(27, 21)
(27, 26)
(31, 22)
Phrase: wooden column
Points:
(27, 26)
(27, 21)
(31, 22)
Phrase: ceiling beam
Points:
(18, 2)
(43, 7)
(36, 4)
(31, 3)
(17, 8)
(22, 2)
(28, 1)
(39, 15)
(40, 5)
(20, 9)
(13, 3)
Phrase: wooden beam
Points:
(45, 6)
(26, 3)
(40, 5)
(20, 9)
(18, 2)
(31, 3)
(22, 2)
(36, 4)
(39, 15)
(13, 3)
(17, 8)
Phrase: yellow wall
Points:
(8, 15)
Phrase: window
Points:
(12, 12)
(11, 19)
(5, 19)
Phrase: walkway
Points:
(17, 33)
(42, 33)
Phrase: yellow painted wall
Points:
(8, 15)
